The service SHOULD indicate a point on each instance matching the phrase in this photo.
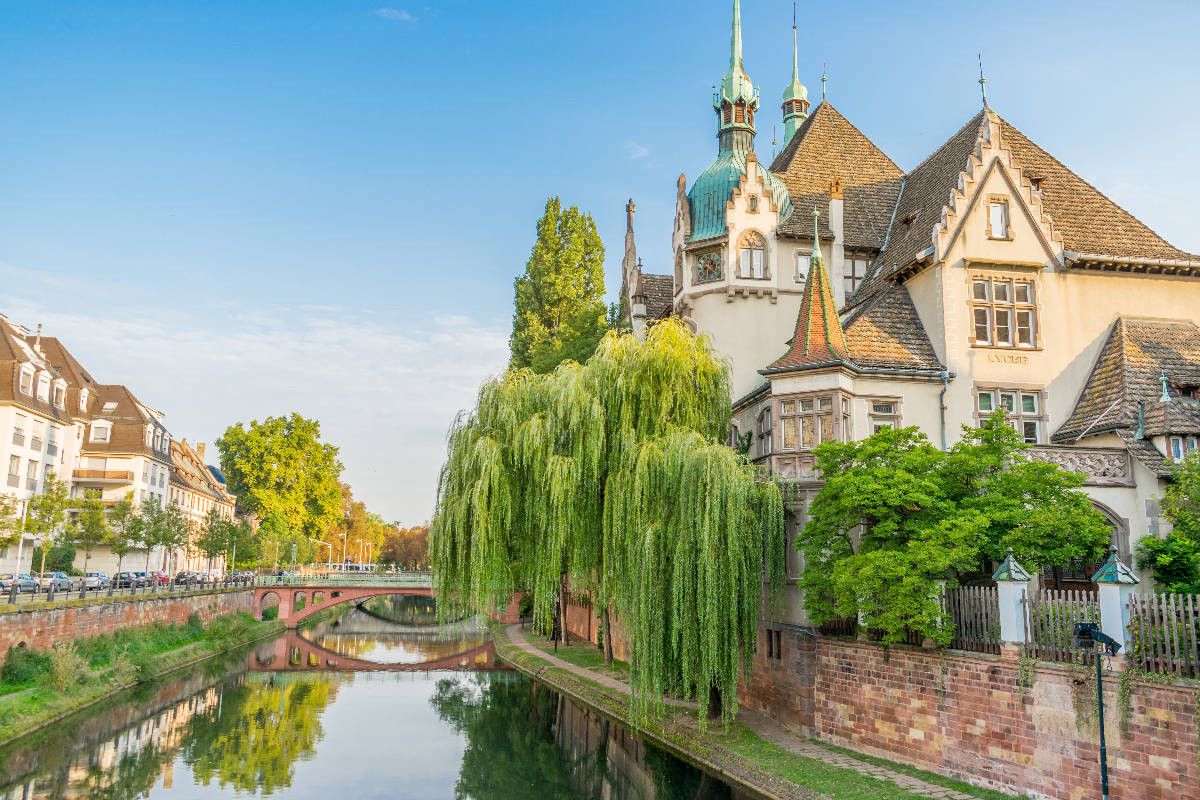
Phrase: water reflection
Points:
(301, 728)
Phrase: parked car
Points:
(25, 583)
(127, 580)
(144, 579)
(189, 579)
(59, 580)
(96, 580)
(158, 577)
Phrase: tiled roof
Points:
(129, 418)
(15, 351)
(1128, 371)
(76, 376)
(819, 338)
(659, 291)
(828, 147)
(190, 472)
(888, 334)
(1147, 454)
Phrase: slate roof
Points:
(129, 418)
(15, 351)
(826, 147)
(76, 376)
(887, 333)
(1127, 371)
(189, 471)
(659, 291)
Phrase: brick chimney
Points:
(200, 450)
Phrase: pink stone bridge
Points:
(318, 595)
(293, 653)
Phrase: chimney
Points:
(37, 342)
(200, 450)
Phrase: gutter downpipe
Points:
(942, 405)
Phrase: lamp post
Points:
(343, 550)
(1089, 634)
(329, 567)
(360, 561)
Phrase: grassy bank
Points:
(39, 687)
(738, 755)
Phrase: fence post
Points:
(1011, 582)
(1115, 582)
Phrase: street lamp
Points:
(343, 550)
(360, 561)
(1088, 634)
(327, 544)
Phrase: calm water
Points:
(380, 702)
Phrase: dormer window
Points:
(111, 405)
(100, 433)
(43, 387)
(997, 221)
(149, 435)
(83, 399)
(1188, 394)
(158, 440)
(26, 379)
(1036, 183)
(60, 394)
(752, 256)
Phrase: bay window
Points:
(806, 422)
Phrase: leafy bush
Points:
(23, 665)
(270, 613)
(68, 669)
(1175, 562)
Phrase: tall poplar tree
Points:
(611, 478)
(559, 312)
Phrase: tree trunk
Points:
(714, 702)
(608, 646)
(562, 609)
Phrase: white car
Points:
(96, 580)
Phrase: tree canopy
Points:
(895, 515)
(1175, 559)
(611, 476)
(281, 467)
(559, 309)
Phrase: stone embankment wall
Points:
(35, 626)
(969, 716)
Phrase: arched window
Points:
(752, 256)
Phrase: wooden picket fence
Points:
(1164, 633)
(975, 612)
(1050, 617)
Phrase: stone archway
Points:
(265, 601)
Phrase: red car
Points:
(159, 578)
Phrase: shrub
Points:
(270, 613)
(23, 665)
(1175, 561)
(68, 669)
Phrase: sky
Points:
(243, 209)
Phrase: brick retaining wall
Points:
(40, 628)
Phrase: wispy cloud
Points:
(636, 150)
(396, 14)
(385, 389)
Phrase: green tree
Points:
(90, 528)
(125, 525)
(559, 311)
(163, 525)
(611, 476)
(46, 514)
(281, 467)
(10, 520)
(1175, 559)
(215, 536)
(896, 515)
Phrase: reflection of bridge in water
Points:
(292, 652)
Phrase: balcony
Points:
(102, 476)
(18, 438)
(35, 443)
(14, 481)
(1101, 466)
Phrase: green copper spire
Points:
(736, 101)
(795, 96)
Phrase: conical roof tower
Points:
(819, 337)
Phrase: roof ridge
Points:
(949, 139)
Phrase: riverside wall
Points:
(40, 625)
(968, 716)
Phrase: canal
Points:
(378, 702)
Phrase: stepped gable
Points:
(659, 291)
(1088, 221)
(826, 148)
(887, 333)
(1128, 371)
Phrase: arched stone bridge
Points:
(293, 653)
(320, 596)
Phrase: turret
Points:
(795, 96)
(737, 99)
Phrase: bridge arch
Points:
(288, 596)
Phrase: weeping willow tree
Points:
(610, 478)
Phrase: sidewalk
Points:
(763, 727)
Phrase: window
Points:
(149, 435)
(145, 473)
(752, 256)
(99, 433)
(803, 265)
(806, 421)
(43, 392)
(1022, 410)
(774, 645)
(764, 432)
(752, 203)
(111, 405)
(14, 465)
(855, 272)
(1003, 312)
(885, 415)
(60, 394)
(997, 221)
(157, 440)
(83, 399)
(26, 380)
(1177, 448)
(31, 469)
(1190, 445)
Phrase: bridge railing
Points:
(418, 579)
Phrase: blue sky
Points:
(242, 209)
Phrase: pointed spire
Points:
(982, 82)
(819, 337)
(735, 39)
(824, 78)
(736, 95)
(795, 96)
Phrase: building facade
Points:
(195, 489)
(851, 295)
